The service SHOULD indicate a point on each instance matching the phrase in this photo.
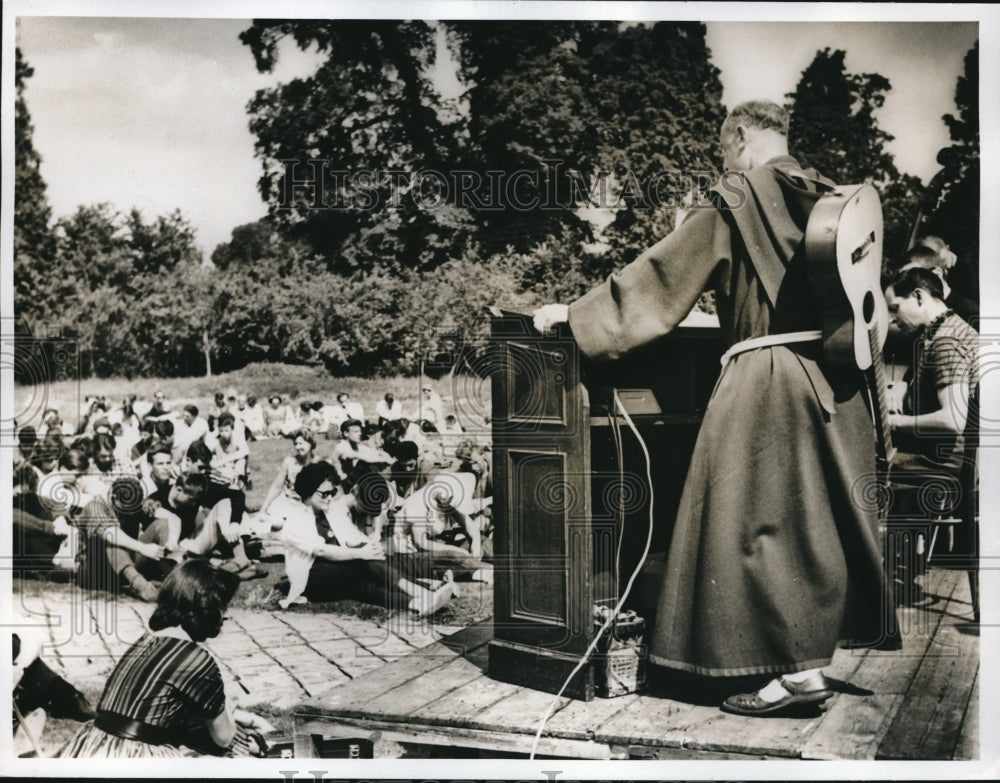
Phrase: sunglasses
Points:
(325, 493)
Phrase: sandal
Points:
(244, 572)
(799, 693)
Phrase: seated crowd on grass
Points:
(391, 509)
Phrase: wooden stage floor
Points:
(918, 703)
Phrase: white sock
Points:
(802, 676)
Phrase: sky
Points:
(151, 112)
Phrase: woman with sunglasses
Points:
(327, 557)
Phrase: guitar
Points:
(843, 245)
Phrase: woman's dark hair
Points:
(312, 476)
(194, 596)
(102, 441)
(306, 436)
(74, 461)
(251, 400)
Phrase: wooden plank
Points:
(405, 700)
(680, 754)
(653, 720)
(968, 747)
(582, 719)
(853, 727)
(505, 742)
(373, 684)
(928, 723)
(667, 723)
(892, 671)
(460, 706)
(520, 714)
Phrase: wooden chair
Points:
(943, 502)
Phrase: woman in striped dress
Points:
(165, 696)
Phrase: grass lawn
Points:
(468, 398)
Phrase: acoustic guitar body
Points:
(843, 244)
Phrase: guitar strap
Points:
(763, 191)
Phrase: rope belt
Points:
(768, 340)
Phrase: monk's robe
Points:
(775, 556)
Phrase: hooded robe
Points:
(775, 555)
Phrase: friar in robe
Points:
(776, 557)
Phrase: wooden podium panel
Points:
(571, 496)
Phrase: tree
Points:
(370, 109)
(34, 243)
(952, 202)
(834, 128)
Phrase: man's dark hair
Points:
(127, 501)
(192, 409)
(350, 423)
(199, 452)
(27, 436)
(918, 277)
(194, 596)
(758, 114)
(193, 484)
(226, 420)
(371, 491)
(158, 450)
(148, 425)
(921, 255)
(48, 448)
(165, 428)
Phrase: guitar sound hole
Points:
(868, 307)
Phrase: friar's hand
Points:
(547, 316)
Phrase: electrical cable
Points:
(625, 593)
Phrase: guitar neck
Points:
(880, 414)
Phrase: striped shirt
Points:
(166, 682)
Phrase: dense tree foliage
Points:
(952, 204)
(834, 128)
(34, 244)
(570, 147)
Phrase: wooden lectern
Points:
(571, 496)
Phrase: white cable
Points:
(628, 588)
